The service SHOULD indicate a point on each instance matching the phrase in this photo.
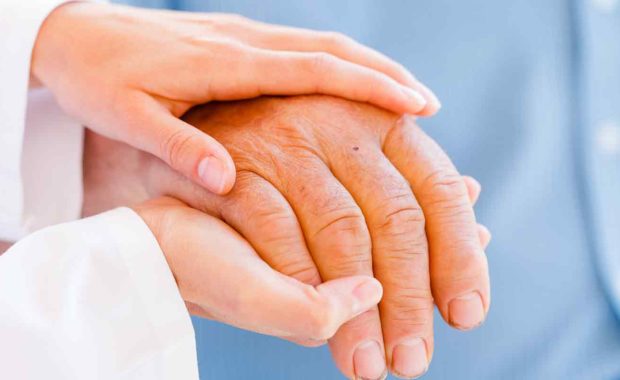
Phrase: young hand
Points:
(130, 73)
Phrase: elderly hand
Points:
(129, 73)
(221, 277)
(330, 188)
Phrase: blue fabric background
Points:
(529, 89)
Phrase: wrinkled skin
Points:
(328, 188)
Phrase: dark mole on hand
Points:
(356, 148)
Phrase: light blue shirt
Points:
(531, 107)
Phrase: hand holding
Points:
(221, 277)
(130, 73)
(334, 188)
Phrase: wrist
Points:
(159, 215)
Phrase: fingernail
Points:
(415, 98)
(369, 362)
(485, 236)
(466, 312)
(431, 98)
(211, 172)
(366, 295)
(409, 359)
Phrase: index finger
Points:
(280, 37)
(399, 254)
(273, 72)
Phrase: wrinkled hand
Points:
(329, 188)
(129, 73)
(221, 277)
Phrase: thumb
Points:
(288, 308)
(310, 319)
(220, 273)
(188, 150)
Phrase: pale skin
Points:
(327, 189)
(130, 73)
(219, 273)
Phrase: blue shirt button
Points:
(608, 138)
(606, 6)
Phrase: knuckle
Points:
(402, 216)
(323, 321)
(343, 233)
(443, 184)
(302, 271)
(225, 49)
(279, 229)
(343, 222)
(321, 328)
(410, 305)
(400, 224)
(214, 50)
(279, 222)
(402, 259)
(453, 211)
(287, 254)
(321, 62)
(335, 40)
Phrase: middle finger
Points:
(400, 255)
(339, 242)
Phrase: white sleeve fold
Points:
(40, 184)
(93, 299)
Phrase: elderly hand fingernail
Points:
(410, 359)
(212, 173)
(369, 361)
(466, 312)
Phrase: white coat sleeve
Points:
(93, 299)
(40, 147)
